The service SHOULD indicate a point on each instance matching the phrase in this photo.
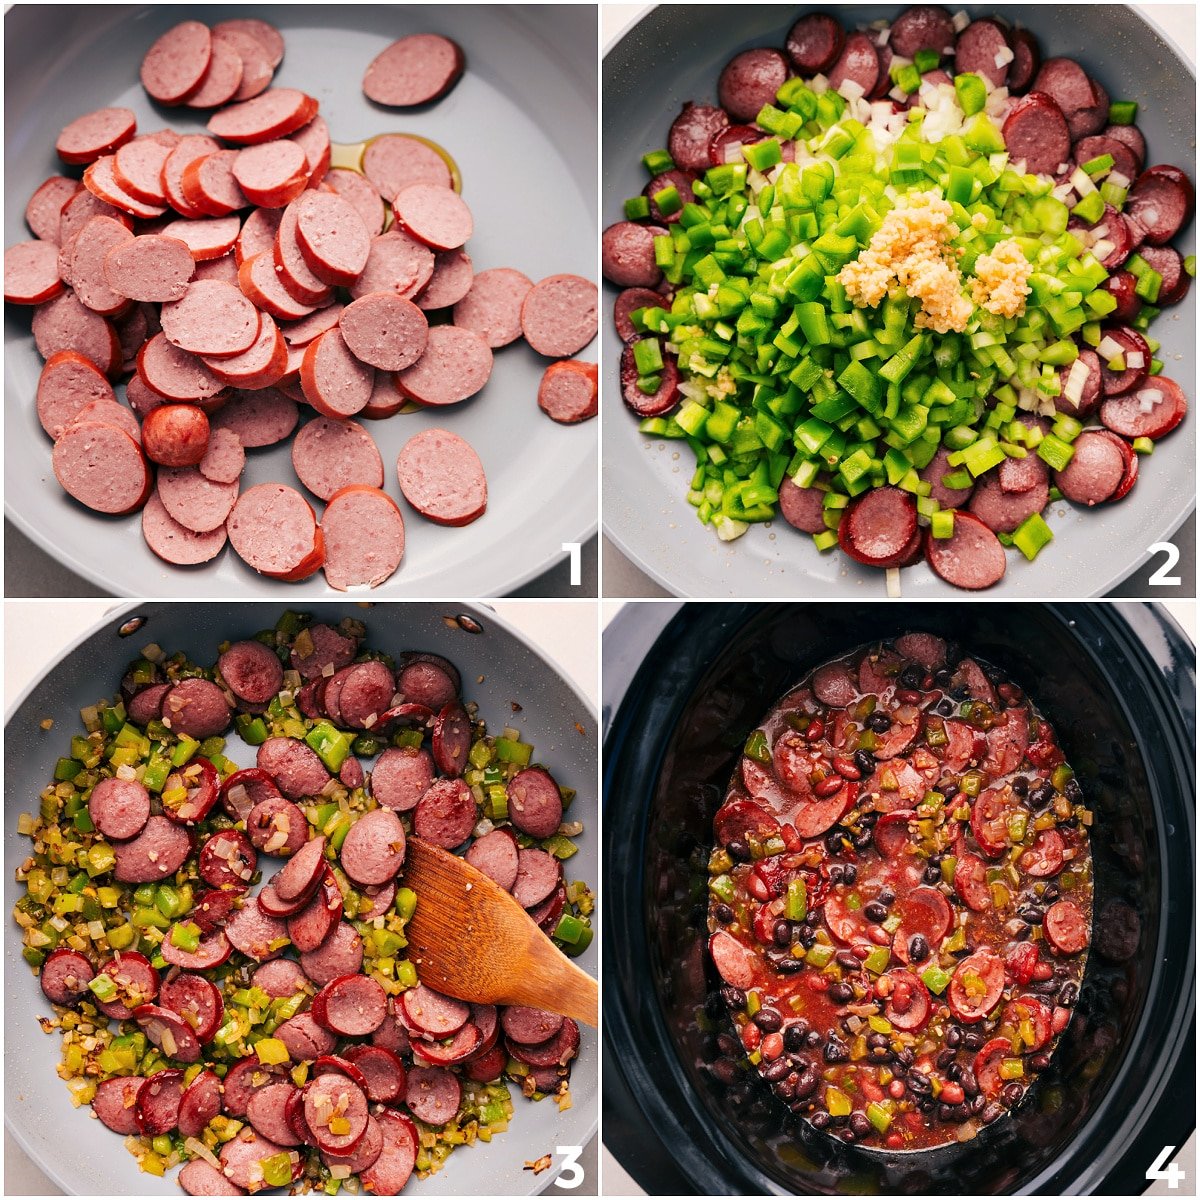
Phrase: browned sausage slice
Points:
(972, 558)
(1152, 410)
(814, 43)
(446, 814)
(65, 976)
(1066, 928)
(1035, 132)
(119, 808)
(749, 81)
(495, 854)
(415, 70)
(692, 133)
(534, 802)
(627, 255)
(373, 850)
(1094, 472)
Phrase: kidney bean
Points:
(829, 786)
(816, 730)
(952, 1093)
(1060, 1019)
(975, 1105)
(1011, 1093)
(918, 948)
(896, 1089)
(846, 959)
(771, 1048)
(1043, 971)
(733, 997)
(845, 768)
(751, 1036)
(861, 1124)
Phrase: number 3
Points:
(570, 1174)
(1174, 1174)
(1160, 578)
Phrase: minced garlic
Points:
(1000, 279)
(912, 250)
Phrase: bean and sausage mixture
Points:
(897, 285)
(277, 1035)
(900, 896)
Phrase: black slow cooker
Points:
(684, 687)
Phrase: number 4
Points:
(1174, 1174)
(570, 1174)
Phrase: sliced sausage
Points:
(445, 814)
(115, 1103)
(435, 215)
(94, 134)
(395, 263)
(265, 1111)
(492, 308)
(878, 527)
(802, 508)
(197, 1000)
(200, 1178)
(157, 1107)
(1027, 59)
(175, 374)
(442, 478)
(361, 192)
(150, 268)
(538, 874)
(334, 1096)
(495, 854)
(433, 1094)
(558, 316)
(453, 274)
(1066, 927)
(211, 318)
(557, 1051)
(364, 538)
(750, 80)
(175, 65)
(243, 1156)
(1125, 161)
(530, 1026)
(332, 238)
(534, 802)
(274, 530)
(259, 418)
(401, 776)
(255, 934)
(330, 455)
(68, 383)
(972, 558)
(65, 976)
(252, 672)
(271, 174)
(382, 1069)
(1168, 262)
(691, 134)
(569, 391)
(653, 404)
(627, 255)
(627, 303)
(373, 850)
(101, 467)
(273, 114)
(119, 808)
(335, 382)
(428, 679)
(175, 435)
(227, 860)
(979, 46)
(814, 43)
(310, 927)
(1152, 410)
(43, 213)
(279, 978)
(1083, 102)
(858, 64)
(31, 273)
(417, 69)
(194, 501)
(1003, 511)
(1161, 201)
(175, 543)
(1035, 132)
(1094, 472)
(340, 954)
(967, 1003)
(169, 1032)
(922, 27)
(352, 1006)
(393, 1168)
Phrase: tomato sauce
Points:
(900, 895)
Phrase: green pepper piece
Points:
(332, 746)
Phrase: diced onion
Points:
(1148, 398)
(1119, 180)
(200, 1150)
(1003, 57)
(851, 90)
(1135, 359)
(1109, 349)
(1081, 181)
(960, 20)
(1076, 378)
(893, 583)
(1103, 248)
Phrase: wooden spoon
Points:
(470, 939)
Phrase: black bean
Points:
(911, 677)
(931, 874)
(877, 1039)
(954, 1072)
(821, 1120)
(961, 693)
(807, 1082)
(841, 993)
(1030, 914)
(945, 707)
(878, 722)
(918, 948)
(959, 1112)
(1073, 791)
(769, 1020)
(793, 1038)
(991, 1112)
(725, 1070)
(784, 1089)
(942, 678)
(790, 965)
(847, 1135)
(1068, 994)
(886, 895)
(944, 1112)
(864, 761)
(775, 1071)
(739, 850)
(781, 933)
(944, 1059)
(728, 1044)
(850, 874)
(723, 913)
(835, 1051)
(1043, 987)
(1020, 785)
(1011, 1093)
(1041, 794)
(972, 1041)
(918, 1082)
(837, 871)
(812, 1038)
(975, 1104)
(873, 910)
(733, 997)
(807, 936)
(861, 1124)
(906, 1057)
(1051, 893)
(863, 840)
(970, 1084)
(847, 960)
(953, 1036)
(1039, 1062)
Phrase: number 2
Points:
(1160, 578)
(1174, 1174)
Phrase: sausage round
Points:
(972, 558)
(492, 308)
(442, 478)
(453, 274)
(395, 263)
(271, 174)
(353, 1006)
(364, 537)
(68, 383)
(335, 382)
(175, 543)
(558, 316)
(361, 192)
(102, 467)
(445, 814)
(330, 455)
(94, 134)
(175, 374)
(175, 435)
(401, 776)
(436, 216)
(265, 1111)
(259, 418)
(255, 934)
(1094, 472)
(150, 268)
(538, 874)
(627, 255)
(295, 767)
(569, 391)
(433, 1094)
(802, 508)
(415, 70)
(252, 672)
(43, 213)
(749, 81)
(279, 978)
(535, 803)
(385, 331)
(175, 65)
(65, 976)
(115, 1103)
(341, 953)
(373, 850)
(1035, 132)
(119, 808)
(274, 530)
(858, 63)
(456, 364)
(273, 114)
(814, 43)
(227, 860)
(31, 273)
(692, 133)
